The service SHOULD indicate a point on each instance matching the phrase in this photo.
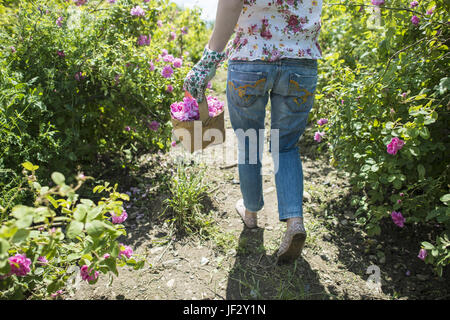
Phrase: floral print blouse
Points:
(270, 30)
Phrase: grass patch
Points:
(187, 190)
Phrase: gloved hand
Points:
(197, 79)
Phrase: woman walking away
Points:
(273, 54)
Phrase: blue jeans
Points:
(291, 85)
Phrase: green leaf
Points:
(139, 265)
(38, 271)
(420, 97)
(52, 201)
(55, 286)
(8, 231)
(58, 178)
(427, 245)
(73, 256)
(20, 211)
(43, 191)
(98, 189)
(115, 251)
(111, 263)
(20, 235)
(445, 198)
(94, 213)
(444, 85)
(80, 213)
(87, 257)
(414, 151)
(87, 202)
(29, 166)
(4, 266)
(397, 184)
(95, 228)
(424, 133)
(125, 197)
(421, 171)
(4, 246)
(75, 228)
(24, 222)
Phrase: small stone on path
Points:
(170, 283)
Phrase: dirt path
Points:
(238, 263)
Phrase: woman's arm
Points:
(228, 12)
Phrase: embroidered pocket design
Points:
(298, 89)
(242, 90)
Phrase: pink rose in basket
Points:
(188, 109)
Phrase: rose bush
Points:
(82, 79)
(384, 88)
(41, 244)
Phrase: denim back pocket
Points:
(301, 92)
(243, 88)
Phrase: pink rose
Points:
(87, 274)
(119, 219)
(395, 145)
(422, 254)
(80, 2)
(168, 58)
(154, 125)
(318, 136)
(415, 20)
(167, 72)
(137, 11)
(127, 251)
(144, 40)
(398, 219)
(59, 21)
(177, 63)
(151, 66)
(377, 2)
(42, 260)
(20, 265)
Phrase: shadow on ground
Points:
(394, 252)
(255, 274)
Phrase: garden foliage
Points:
(384, 87)
(80, 79)
(83, 78)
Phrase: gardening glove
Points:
(197, 79)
